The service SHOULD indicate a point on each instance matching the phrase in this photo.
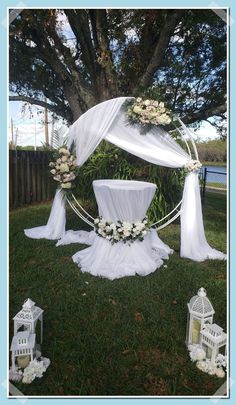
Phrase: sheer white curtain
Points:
(55, 227)
(107, 121)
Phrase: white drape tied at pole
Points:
(107, 121)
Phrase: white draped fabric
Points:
(126, 201)
(55, 227)
(193, 241)
(107, 121)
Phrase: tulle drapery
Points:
(107, 121)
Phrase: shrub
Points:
(110, 162)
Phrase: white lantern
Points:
(23, 344)
(200, 313)
(28, 317)
(212, 340)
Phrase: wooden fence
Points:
(29, 177)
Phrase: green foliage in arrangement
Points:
(110, 162)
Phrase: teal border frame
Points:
(4, 171)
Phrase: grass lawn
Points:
(122, 337)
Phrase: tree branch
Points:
(204, 114)
(166, 32)
(31, 100)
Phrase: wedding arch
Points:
(107, 121)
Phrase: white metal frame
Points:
(77, 207)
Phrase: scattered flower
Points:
(35, 369)
(198, 354)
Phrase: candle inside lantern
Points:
(23, 361)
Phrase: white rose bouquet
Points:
(64, 168)
(148, 113)
(122, 231)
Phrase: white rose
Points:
(144, 232)
(53, 171)
(139, 100)
(147, 102)
(57, 178)
(64, 168)
(126, 233)
(51, 164)
(96, 221)
(64, 158)
(161, 105)
(220, 372)
(66, 185)
(58, 160)
(137, 109)
(64, 151)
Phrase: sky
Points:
(30, 131)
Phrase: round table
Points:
(123, 200)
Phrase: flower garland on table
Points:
(147, 113)
(64, 168)
(122, 231)
(198, 354)
(192, 165)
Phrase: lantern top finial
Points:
(28, 304)
(201, 292)
(29, 312)
(200, 304)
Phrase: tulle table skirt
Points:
(118, 260)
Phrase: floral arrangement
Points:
(148, 113)
(35, 369)
(198, 354)
(122, 231)
(64, 169)
(192, 165)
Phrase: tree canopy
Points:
(69, 60)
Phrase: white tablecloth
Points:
(126, 201)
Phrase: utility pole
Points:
(12, 134)
(46, 124)
(16, 138)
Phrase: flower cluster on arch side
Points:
(122, 231)
(64, 168)
(148, 112)
(192, 165)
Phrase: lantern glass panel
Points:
(196, 327)
(222, 350)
